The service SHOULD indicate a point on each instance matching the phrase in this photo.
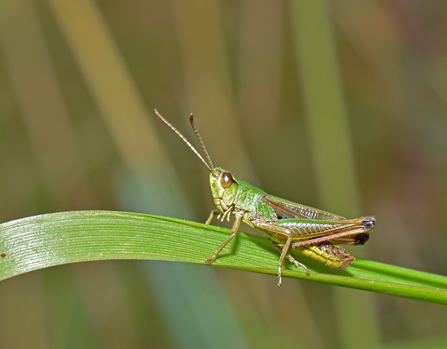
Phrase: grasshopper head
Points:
(223, 187)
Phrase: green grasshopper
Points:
(311, 231)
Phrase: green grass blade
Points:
(52, 239)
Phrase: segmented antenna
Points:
(208, 166)
(196, 131)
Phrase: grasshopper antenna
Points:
(209, 165)
(196, 131)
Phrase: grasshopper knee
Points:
(369, 222)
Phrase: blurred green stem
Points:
(331, 146)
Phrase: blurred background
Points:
(340, 105)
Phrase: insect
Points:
(311, 231)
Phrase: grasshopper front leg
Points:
(212, 214)
(234, 230)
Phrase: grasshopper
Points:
(311, 231)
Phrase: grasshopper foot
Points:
(210, 261)
(279, 277)
(297, 264)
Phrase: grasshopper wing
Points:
(316, 231)
(288, 209)
(308, 223)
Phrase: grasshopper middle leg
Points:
(288, 235)
(292, 260)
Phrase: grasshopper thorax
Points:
(224, 186)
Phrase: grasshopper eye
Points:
(226, 180)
